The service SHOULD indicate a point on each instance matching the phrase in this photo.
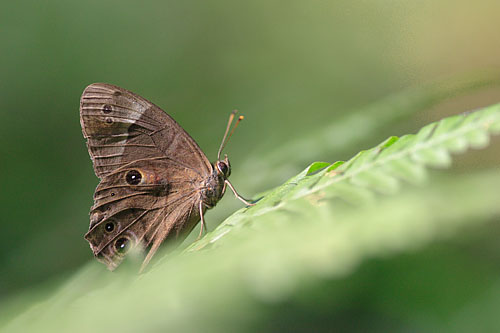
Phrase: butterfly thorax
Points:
(213, 188)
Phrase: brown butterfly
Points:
(156, 182)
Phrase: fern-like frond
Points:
(377, 170)
(353, 129)
(320, 224)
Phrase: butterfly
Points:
(155, 181)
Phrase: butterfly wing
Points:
(122, 127)
(150, 170)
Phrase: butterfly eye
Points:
(122, 245)
(222, 168)
(133, 177)
(110, 226)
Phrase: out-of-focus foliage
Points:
(318, 225)
(316, 81)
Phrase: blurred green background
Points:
(289, 66)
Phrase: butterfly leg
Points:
(203, 227)
(245, 201)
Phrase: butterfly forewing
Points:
(151, 173)
(122, 127)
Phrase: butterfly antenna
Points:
(225, 139)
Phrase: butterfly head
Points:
(215, 185)
(223, 167)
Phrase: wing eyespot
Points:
(107, 108)
(133, 177)
(122, 245)
(109, 227)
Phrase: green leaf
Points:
(318, 226)
(355, 128)
(356, 180)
